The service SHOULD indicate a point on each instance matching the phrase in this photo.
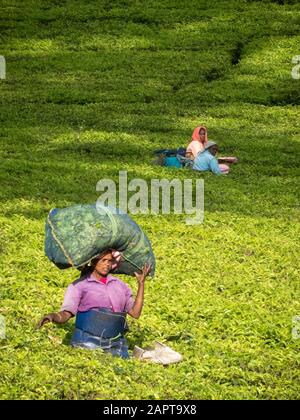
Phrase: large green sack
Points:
(76, 234)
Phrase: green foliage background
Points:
(93, 87)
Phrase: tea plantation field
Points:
(93, 88)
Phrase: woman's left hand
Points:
(141, 277)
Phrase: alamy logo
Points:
(2, 67)
(155, 198)
(2, 327)
(296, 327)
(296, 69)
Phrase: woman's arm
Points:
(227, 159)
(189, 155)
(56, 317)
(214, 166)
(136, 310)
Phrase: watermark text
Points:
(296, 69)
(2, 67)
(159, 196)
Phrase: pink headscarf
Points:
(196, 133)
(196, 145)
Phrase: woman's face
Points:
(202, 134)
(104, 264)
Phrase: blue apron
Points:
(101, 329)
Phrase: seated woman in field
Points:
(197, 145)
(100, 303)
(206, 160)
(199, 139)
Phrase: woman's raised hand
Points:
(141, 277)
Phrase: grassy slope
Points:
(94, 87)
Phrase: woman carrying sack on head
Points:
(100, 302)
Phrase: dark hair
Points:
(87, 269)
